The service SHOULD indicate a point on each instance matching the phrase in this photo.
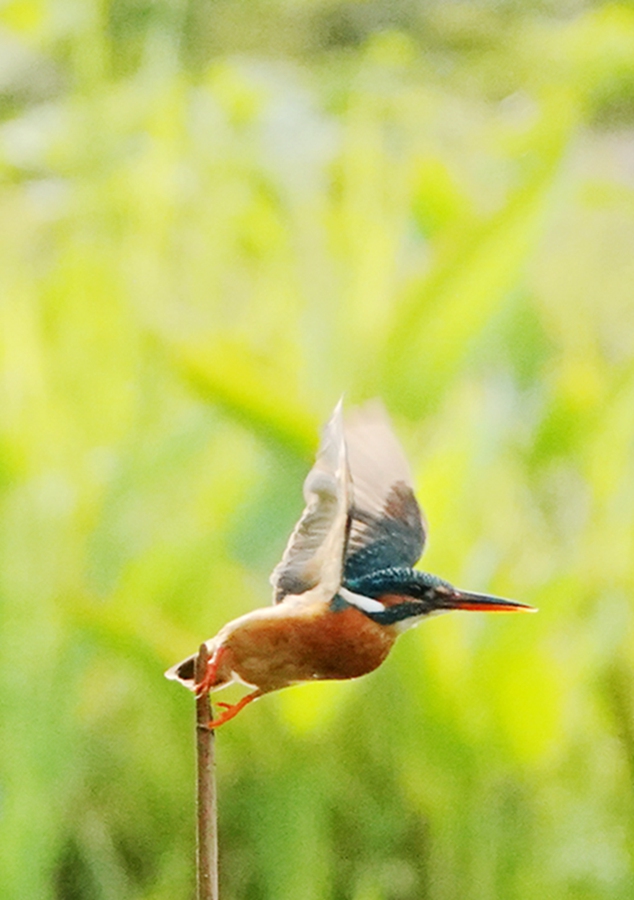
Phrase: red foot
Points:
(232, 710)
(204, 686)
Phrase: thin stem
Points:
(207, 814)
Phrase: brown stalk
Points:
(206, 809)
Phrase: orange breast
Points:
(303, 644)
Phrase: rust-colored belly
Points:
(274, 651)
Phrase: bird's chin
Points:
(413, 621)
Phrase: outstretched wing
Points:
(387, 528)
(315, 550)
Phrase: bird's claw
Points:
(230, 710)
(209, 679)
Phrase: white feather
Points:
(367, 604)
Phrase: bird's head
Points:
(402, 597)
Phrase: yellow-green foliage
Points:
(214, 219)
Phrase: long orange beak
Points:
(484, 603)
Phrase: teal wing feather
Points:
(387, 528)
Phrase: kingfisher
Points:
(345, 587)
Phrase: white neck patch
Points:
(366, 604)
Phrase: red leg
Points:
(209, 680)
(232, 710)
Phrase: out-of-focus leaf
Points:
(439, 319)
(253, 391)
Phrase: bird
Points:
(346, 586)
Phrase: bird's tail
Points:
(185, 670)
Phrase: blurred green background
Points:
(216, 217)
